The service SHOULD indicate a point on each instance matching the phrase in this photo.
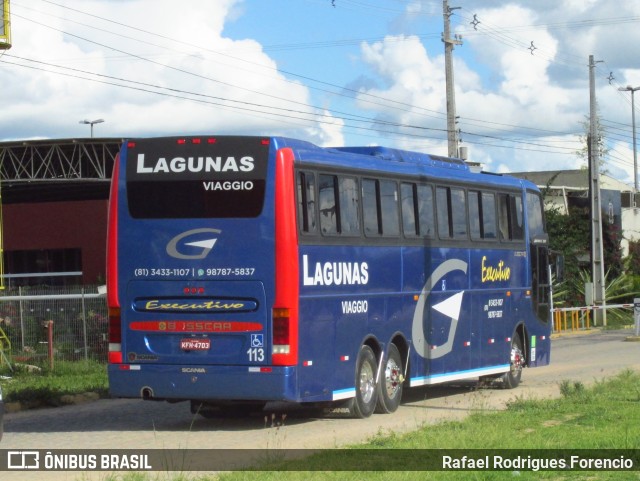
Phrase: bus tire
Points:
(390, 384)
(366, 393)
(511, 379)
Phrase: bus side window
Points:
(370, 207)
(307, 203)
(459, 213)
(510, 217)
(328, 205)
(535, 215)
(389, 208)
(474, 215)
(427, 221)
(409, 209)
(348, 207)
(489, 215)
(503, 216)
(517, 219)
(443, 208)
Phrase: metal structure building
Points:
(54, 199)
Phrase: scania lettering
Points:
(245, 270)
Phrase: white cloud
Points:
(515, 107)
(236, 90)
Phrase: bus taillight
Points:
(281, 338)
(115, 336)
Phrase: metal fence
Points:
(77, 317)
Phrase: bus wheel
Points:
(390, 385)
(366, 393)
(512, 378)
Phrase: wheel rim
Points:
(367, 382)
(392, 377)
(517, 359)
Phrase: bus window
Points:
(192, 185)
(503, 216)
(389, 208)
(534, 214)
(370, 207)
(443, 209)
(489, 215)
(510, 217)
(427, 222)
(518, 218)
(348, 207)
(328, 211)
(459, 213)
(407, 194)
(307, 203)
(474, 215)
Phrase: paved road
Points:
(135, 424)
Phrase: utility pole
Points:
(633, 90)
(597, 264)
(449, 43)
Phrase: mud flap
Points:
(340, 409)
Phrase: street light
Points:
(91, 123)
(631, 89)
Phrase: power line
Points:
(379, 125)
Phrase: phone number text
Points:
(176, 272)
(229, 271)
(186, 272)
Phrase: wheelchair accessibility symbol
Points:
(257, 340)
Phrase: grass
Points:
(39, 385)
(605, 416)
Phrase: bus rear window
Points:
(196, 178)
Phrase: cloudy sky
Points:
(341, 72)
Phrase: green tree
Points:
(569, 235)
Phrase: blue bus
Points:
(243, 270)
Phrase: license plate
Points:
(195, 344)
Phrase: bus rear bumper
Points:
(175, 383)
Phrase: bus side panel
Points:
(349, 295)
(316, 348)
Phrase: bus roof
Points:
(377, 158)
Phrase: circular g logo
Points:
(205, 244)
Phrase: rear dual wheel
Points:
(511, 379)
(390, 384)
(383, 396)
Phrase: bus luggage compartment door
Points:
(192, 323)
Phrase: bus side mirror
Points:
(558, 267)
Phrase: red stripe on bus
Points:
(286, 253)
(112, 238)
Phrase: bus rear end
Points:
(202, 272)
